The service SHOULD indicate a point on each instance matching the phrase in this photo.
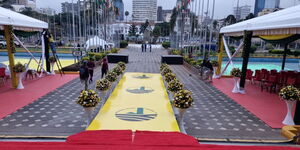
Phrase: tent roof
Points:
(286, 21)
(20, 21)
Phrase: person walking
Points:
(145, 47)
(84, 74)
(142, 47)
(150, 47)
(91, 66)
(207, 69)
(104, 67)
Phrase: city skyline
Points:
(221, 11)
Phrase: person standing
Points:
(52, 43)
(84, 74)
(104, 67)
(150, 47)
(91, 66)
(142, 47)
(145, 47)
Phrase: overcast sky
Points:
(223, 7)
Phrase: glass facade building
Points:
(262, 4)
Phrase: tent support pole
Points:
(284, 56)
(47, 55)
(220, 54)
(246, 54)
(11, 50)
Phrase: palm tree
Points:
(126, 14)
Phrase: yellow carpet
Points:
(139, 102)
(33, 64)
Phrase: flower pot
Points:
(52, 69)
(88, 112)
(236, 87)
(215, 74)
(288, 120)
(180, 119)
(20, 84)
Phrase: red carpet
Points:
(266, 106)
(12, 99)
(142, 140)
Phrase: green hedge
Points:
(166, 45)
(280, 51)
(123, 44)
(114, 50)
(176, 52)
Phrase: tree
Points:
(173, 19)
(194, 22)
(144, 26)
(215, 24)
(156, 31)
(230, 19)
(126, 14)
(132, 30)
(6, 4)
(164, 28)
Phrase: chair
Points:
(2, 75)
(270, 83)
(298, 80)
(291, 81)
(257, 76)
(274, 71)
(249, 76)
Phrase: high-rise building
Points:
(120, 5)
(241, 12)
(159, 13)
(262, 4)
(143, 10)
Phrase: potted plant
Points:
(122, 65)
(175, 86)
(19, 69)
(118, 70)
(215, 65)
(103, 85)
(182, 100)
(290, 95)
(163, 66)
(165, 71)
(236, 73)
(170, 77)
(88, 99)
(52, 61)
(111, 76)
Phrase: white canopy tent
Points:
(20, 21)
(286, 21)
(95, 42)
(279, 27)
(10, 21)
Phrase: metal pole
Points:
(211, 27)
(284, 56)
(201, 29)
(205, 34)
(79, 19)
(10, 50)
(246, 54)
(73, 24)
(54, 26)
